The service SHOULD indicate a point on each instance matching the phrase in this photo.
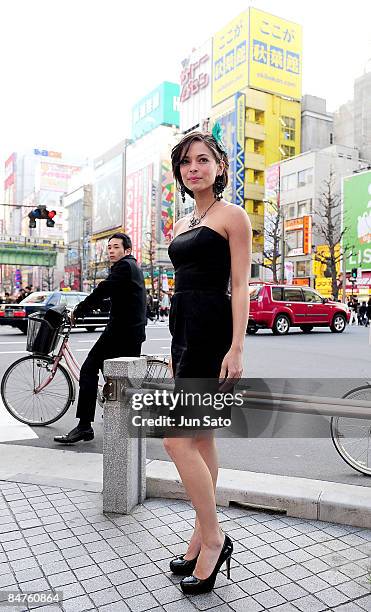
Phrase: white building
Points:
(302, 182)
(317, 125)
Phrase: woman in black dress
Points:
(210, 247)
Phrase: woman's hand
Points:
(231, 369)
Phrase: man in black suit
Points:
(123, 336)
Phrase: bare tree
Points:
(272, 239)
(99, 259)
(48, 279)
(149, 256)
(327, 222)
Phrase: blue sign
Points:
(160, 107)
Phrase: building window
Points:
(288, 128)
(287, 151)
(303, 268)
(258, 146)
(289, 182)
(294, 240)
(255, 208)
(290, 211)
(254, 270)
(304, 208)
(305, 177)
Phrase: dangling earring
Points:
(218, 187)
(182, 193)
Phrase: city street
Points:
(286, 444)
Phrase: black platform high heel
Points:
(192, 585)
(183, 567)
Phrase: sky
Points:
(72, 70)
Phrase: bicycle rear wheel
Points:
(352, 436)
(157, 370)
(18, 391)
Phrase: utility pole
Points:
(280, 212)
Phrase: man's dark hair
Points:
(126, 241)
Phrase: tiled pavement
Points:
(52, 538)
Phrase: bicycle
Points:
(352, 436)
(38, 389)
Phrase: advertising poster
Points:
(107, 196)
(357, 220)
(167, 203)
(230, 59)
(55, 177)
(195, 87)
(275, 56)
(231, 117)
(138, 211)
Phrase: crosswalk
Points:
(11, 429)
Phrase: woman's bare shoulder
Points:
(233, 212)
(181, 224)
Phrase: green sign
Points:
(160, 107)
(357, 220)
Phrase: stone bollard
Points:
(124, 457)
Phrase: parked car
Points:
(40, 301)
(279, 307)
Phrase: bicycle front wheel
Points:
(18, 391)
(352, 436)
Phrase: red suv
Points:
(279, 307)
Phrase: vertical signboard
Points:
(307, 235)
(167, 203)
(231, 117)
(138, 210)
(239, 146)
(357, 220)
(195, 87)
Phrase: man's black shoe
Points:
(75, 435)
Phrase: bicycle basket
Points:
(42, 334)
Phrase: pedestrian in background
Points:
(362, 314)
(353, 305)
(208, 332)
(368, 312)
(164, 306)
(123, 336)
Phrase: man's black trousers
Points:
(113, 342)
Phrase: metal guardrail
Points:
(124, 457)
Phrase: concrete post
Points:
(124, 457)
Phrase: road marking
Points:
(12, 352)
(22, 342)
(11, 429)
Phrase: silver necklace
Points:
(197, 220)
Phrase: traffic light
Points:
(354, 273)
(49, 221)
(41, 212)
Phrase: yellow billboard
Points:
(230, 59)
(275, 54)
(321, 269)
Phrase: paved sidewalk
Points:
(54, 538)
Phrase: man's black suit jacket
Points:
(126, 290)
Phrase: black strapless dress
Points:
(200, 317)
